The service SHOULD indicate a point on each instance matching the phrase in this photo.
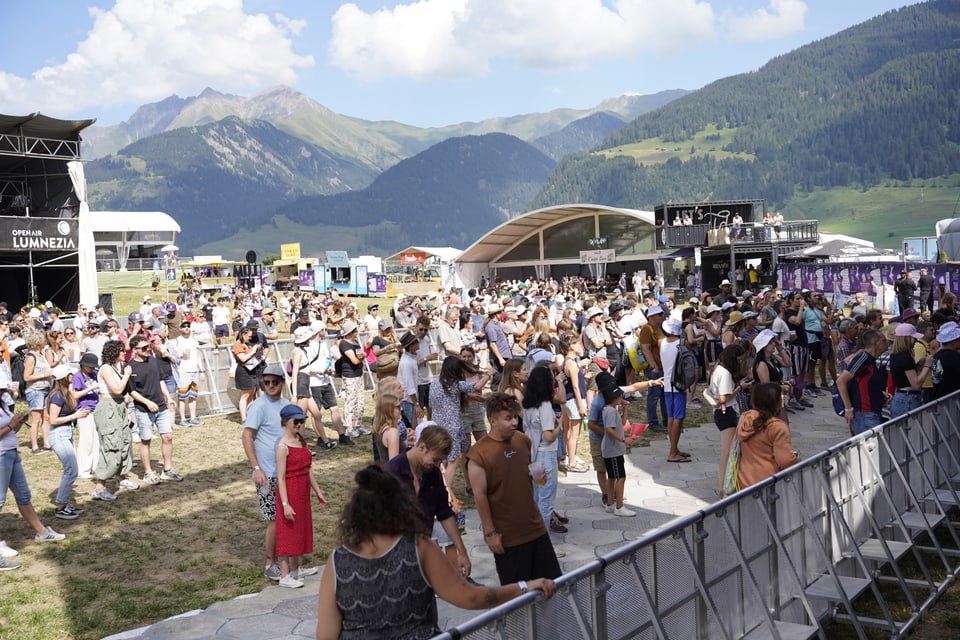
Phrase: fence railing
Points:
(858, 535)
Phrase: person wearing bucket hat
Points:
(311, 368)
(85, 387)
(350, 366)
(946, 361)
(907, 380)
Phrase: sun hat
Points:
(384, 325)
(493, 308)
(303, 334)
(949, 331)
(713, 309)
(655, 310)
(905, 330)
(593, 312)
(725, 281)
(34, 313)
(763, 338)
(693, 300)
(292, 411)
(89, 360)
(317, 326)
(407, 339)
(145, 298)
(908, 313)
(735, 317)
(672, 326)
(348, 327)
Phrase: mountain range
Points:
(840, 130)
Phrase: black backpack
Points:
(685, 369)
(16, 369)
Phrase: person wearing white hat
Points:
(768, 366)
(649, 342)
(351, 376)
(147, 307)
(311, 367)
(946, 361)
(675, 399)
(713, 332)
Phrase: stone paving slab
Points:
(659, 491)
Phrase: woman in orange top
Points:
(765, 446)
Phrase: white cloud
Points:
(781, 18)
(444, 39)
(144, 50)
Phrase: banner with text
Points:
(18, 233)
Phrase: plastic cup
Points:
(538, 472)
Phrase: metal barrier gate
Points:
(831, 539)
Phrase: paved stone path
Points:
(659, 491)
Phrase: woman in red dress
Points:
(294, 483)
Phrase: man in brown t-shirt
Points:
(649, 343)
(502, 488)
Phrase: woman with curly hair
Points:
(113, 426)
(449, 394)
(382, 579)
(765, 446)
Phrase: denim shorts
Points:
(147, 419)
(37, 399)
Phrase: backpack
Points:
(685, 368)
(16, 370)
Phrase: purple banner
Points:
(875, 280)
(376, 285)
(307, 278)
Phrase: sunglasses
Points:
(68, 333)
(271, 383)
(300, 421)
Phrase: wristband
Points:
(256, 468)
(523, 586)
(286, 504)
(491, 534)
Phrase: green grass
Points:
(884, 214)
(710, 141)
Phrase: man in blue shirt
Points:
(261, 433)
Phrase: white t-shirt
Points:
(668, 356)
(721, 382)
(220, 315)
(628, 326)
(191, 362)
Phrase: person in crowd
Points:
(351, 376)
(946, 365)
(573, 378)
(907, 379)
(649, 340)
(613, 448)
(497, 343)
(334, 318)
(37, 374)
(448, 396)
(64, 411)
(151, 402)
(71, 345)
(12, 478)
(115, 458)
(262, 431)
(764, 437)
(188, 375)
(540, 425)
(249, 356)
(382, 532)
(904, 287)
(425, 355)
(768, 366)
(862, 386)
(312, 389)
(96, 336)
(386, 431)
(799, 345)
(675, 399)
(387, 350)
(513, 529)
(512, 382)
(726, 381)
(55, 353)
(295, 482)
(86, 389)
(471, 415)
(418, 469)
(713, 333)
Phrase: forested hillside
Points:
(449, 194)
(879, 101)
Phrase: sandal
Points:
(557, 516)
(578, 468)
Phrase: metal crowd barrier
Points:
(856, 535)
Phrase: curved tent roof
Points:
(500, 240)
(107, 221)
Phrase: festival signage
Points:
(18, 233)
(413, 258)
(290, 251)
(598, 256)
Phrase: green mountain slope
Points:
(450, 194)
(877, 102)
(214, 178)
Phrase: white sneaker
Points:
(103, 494)
(6, 551)
(353, 433)
(303, 572)
(128, 484)
(608, 508)
(290, 582)
(363, 431)
(151, 478)
(623, 512)
(49, 535)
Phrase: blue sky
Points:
(426, 62)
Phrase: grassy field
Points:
(710, 141)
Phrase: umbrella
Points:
(170, 247)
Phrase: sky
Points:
(424, 63)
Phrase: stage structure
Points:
(46, 243)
